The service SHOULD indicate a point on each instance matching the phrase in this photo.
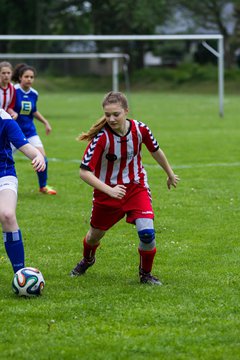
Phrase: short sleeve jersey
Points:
(9, 133)
(116, 159)
(7, 97)
(26, 106)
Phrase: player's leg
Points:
(12, 236)
(105, 213)
(90, 245)
(147, 250)
(140, 212)
(42, 175)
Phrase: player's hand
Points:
(48, 128)
(172, 181)
(14, 115)
(38, 163)
(118, 192)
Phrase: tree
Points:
(113, 17)
(23, 17)
(214, 16)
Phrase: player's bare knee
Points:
(94, 236)
(8, 217)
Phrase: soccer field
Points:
(106, 314)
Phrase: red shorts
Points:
(107, 211)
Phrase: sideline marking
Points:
(187, 166)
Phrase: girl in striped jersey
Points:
(112, 165)
(7, 90)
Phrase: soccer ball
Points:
(28, 281)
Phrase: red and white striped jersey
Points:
(7, 97)
(116, 159)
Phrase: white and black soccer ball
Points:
(28, 281)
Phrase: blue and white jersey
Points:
(26, 106)
(10, 132)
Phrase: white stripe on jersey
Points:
(130, 151)
(103, 172)
(117, 164)
(6, 96)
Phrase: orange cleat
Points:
(48, 190)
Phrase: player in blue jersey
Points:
(10, 133)
(26, 107)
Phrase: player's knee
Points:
(94, 236)
(147, 239)
(7, 217)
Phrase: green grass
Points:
(106, 314)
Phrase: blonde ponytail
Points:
(93, 131)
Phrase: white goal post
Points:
(219, 53)
(112, 56)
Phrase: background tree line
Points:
(110, 17)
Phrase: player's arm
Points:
(10, 108)
(116, 192)
(34, 154)
(161, 159)
(42, 119)
(12, 113)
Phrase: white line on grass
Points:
(187, 166)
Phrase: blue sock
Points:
(14, 248)
(42, 175)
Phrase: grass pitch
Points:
(106, 314)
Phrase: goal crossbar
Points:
(112, 37)
(65, 56)
(112, 56)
